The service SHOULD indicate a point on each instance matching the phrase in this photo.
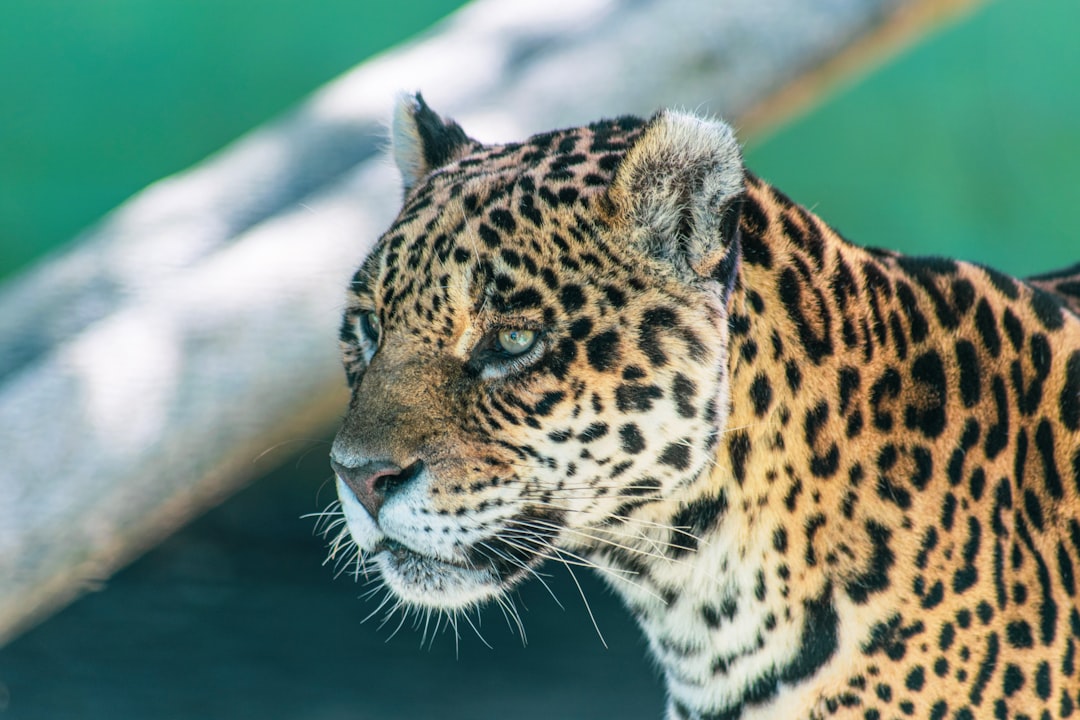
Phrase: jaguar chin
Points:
(457, 580)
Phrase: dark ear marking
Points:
(441, 139)
(726, 270)
(423, 141)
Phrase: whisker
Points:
(580, 561)
(680, 529)
(404, 616)
(544, 525)
(525, 566)
(465, 614)
(427, 622)
(439, 618)
(452, 618)
(585, 600)
(314, 441)
(509, 610)
(368, 594)
(386, 598)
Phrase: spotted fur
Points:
(828, 481)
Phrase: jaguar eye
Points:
(370, 326)
(517, 341)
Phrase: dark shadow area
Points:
(234, 617)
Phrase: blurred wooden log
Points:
(161, 361)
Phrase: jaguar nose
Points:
(374, 481)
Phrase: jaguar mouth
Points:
(465, 576)
(427, 581)
(488, 569)
(402, 554)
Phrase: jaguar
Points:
(826, 480)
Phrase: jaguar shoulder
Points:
(826, 480)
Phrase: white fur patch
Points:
(408, 147)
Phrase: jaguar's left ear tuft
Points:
(422, 140)
(679, 190)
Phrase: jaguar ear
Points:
(422, 140)
(679, 192)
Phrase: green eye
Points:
(515, 342)
(370, 326)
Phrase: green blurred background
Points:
(99, 98)
(965, 145)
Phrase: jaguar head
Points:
(537, 348)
